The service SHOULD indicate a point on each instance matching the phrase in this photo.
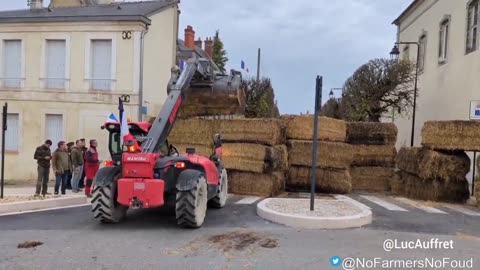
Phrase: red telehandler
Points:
(147, 171)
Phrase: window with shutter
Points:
(472, 26)
(12, 134)
(101, 61)
(422, 53)
(12, 64)
(443, 41)
(55, 64)
(54, 128)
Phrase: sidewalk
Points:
(20, 199)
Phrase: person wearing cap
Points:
(77, 166)
(43, 155)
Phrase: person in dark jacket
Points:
(69, 172)
(43, 156)
(60, 165)
(77, 165)
(92, 164)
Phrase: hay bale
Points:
(247, 183)
(300, 127)
(374, 155)
(397, 184)
(371, 178)
(202, 150)
(408, 159)
(371, 133)
(444, 166)
(330, 154)
(192, 131)
(434, 189)
(326, 180)
(262, 131)
(451, 135)
(253, 157)
(429, 164)
(281, 160)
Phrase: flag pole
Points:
(258, 65)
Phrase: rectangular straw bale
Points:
(192, 131)
(371, 178)
(429, 164)
(435, 190)
(254, 157)
(397, 184)
(255, 184)
(408, 159)
(371, 133)
(329, 154)
(374, 155)
(451, 135)
(327, 180)
(300, 127)
(268, 131)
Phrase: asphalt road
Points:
(232, 238)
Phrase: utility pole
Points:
(258, 65)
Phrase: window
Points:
(55, 64)
(406, 53)
(443, 41)
(472, 26)
(422, 53)
(101, 64)
(12, 133)
(54, 128)
(12, 64)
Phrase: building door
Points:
(55, 64)
(54, 128)
(101, 64)
(12, 65)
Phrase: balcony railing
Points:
(55, 83)
(11, 82)
(100, 84)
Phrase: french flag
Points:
(124, 132)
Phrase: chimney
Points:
(35, 4)
(209, 47)
(198, 43)
(189, 37)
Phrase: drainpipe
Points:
(140, 90)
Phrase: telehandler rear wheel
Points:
(220, 199)
(104, 204)
(191, 205)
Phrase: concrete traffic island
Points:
(337, 212)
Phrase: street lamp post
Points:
(394, 54)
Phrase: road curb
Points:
(308, 222)
(15, 207)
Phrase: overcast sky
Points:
(299, 39)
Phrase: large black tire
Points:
(191, 205)
(220, 199)
(104, 204)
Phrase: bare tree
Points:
(377, 88)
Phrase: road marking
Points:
(46, 209)
(418, 205)
(248, 200)
(384, 204)
(463, 210)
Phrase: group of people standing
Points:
(71, 164)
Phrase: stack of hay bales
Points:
(254, 151)
(438, 170)
(334, 155)
(432, 175)
(193, 133)
(255, 155)
(374, 150)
